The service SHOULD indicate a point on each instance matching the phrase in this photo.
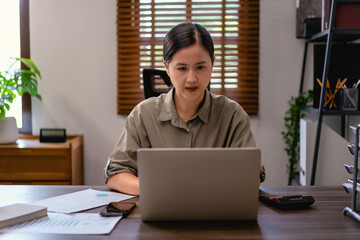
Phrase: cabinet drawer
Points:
(35, 167)
(35, 183)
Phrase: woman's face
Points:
(190, 71)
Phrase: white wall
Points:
(280, 70)
(74, 45)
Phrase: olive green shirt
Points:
(154, 123)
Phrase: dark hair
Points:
(185, 35)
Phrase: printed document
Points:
(58, 223)
(81, 200)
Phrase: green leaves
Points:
(18, 81)
(30, 64)
(292, 135)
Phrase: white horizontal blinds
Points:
(236, 39)
(157, 18)
(233, 24)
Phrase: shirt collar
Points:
(168, 110)
(204, 110)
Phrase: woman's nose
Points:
(192, 76)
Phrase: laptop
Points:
(190, 184)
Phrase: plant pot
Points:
(9, 132)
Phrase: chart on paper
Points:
(78, 223)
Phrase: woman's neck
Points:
(187, 109)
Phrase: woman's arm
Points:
(125, 183)
(121, 168)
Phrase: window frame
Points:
(25, 53)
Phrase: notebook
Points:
(198, 183)
(20, 212)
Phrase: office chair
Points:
(155, 82)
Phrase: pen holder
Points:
(349, 98)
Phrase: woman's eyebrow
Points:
(184, 64)
(181, 64)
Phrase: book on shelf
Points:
(19, 213)
(346, 17)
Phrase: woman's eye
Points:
(182, 69)
(200, 67)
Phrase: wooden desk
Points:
(323, 221)
(31, 162)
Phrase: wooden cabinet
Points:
(31, 162)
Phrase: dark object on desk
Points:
(293, 202)
(117, 209)
(54, 135)
(156, 82)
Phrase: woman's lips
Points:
(191, 89)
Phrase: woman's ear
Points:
(166, 67)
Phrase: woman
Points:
(187, 116)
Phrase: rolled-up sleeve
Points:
(123, 157)
(241, 135)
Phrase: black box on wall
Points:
(344, 63)
(311, 27)
(306, 11)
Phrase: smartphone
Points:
(117, 209)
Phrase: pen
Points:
(327, 90)
(276, 197)
(357, 84)
(342, 84)
(295, 197)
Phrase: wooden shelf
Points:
(339, 35)
(333, 112)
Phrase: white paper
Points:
(77, 223)
(82, 200)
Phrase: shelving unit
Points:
(353, 190)
(329, 36)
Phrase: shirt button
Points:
(188, 130)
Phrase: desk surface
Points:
(323, 221)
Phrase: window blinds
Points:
(233, 25)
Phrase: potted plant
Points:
(15, 82)
(292, 134)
